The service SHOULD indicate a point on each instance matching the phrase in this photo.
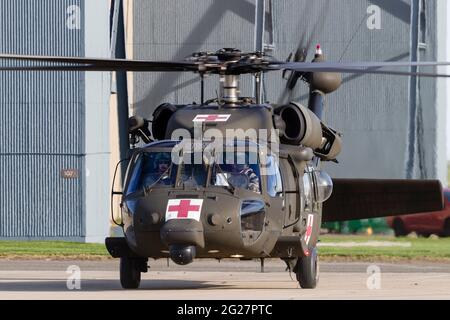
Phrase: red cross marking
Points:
(183, 208)
(210, 117)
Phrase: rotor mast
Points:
(229, 88)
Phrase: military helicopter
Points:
(199, 188)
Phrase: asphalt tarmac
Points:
(231, 279)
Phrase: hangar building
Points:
(59, 131)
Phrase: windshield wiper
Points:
(229, 186)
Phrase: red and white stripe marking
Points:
(211, 117)
(309, 228)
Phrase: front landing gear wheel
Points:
(130, 274)
(307, 270)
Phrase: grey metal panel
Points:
(42, 127)
(41, 111)
(96, 189)
(427, 113)
(35, 200)
(370, 110)
(175, 29)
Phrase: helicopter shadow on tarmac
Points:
(99, 285)
(49, 285)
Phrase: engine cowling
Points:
(302, 127)
(161, 117)
(332, 145)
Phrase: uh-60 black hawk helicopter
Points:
(242, 197)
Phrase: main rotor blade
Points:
(91, 68)
(81, 68)
(390, 72)
(359, 67)
(56, 68)
(98, 64)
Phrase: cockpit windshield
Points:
(152, 169)
(231, 169)
(193, 171)
(237, 170)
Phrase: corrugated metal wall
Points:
(427, 115)
(370, 110)
(171, 29)
(41, 124)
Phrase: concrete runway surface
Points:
(209, 279)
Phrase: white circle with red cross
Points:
(184, 209)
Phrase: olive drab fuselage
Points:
(217, 210)
(289, 220)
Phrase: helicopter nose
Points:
(182, 236)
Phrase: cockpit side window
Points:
(152, 169)
(158, 169)
(133, 183)
(274, 182)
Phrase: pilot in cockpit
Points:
(239, 175)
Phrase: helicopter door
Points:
(275, 190)
(290, 182)
(253, 215)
